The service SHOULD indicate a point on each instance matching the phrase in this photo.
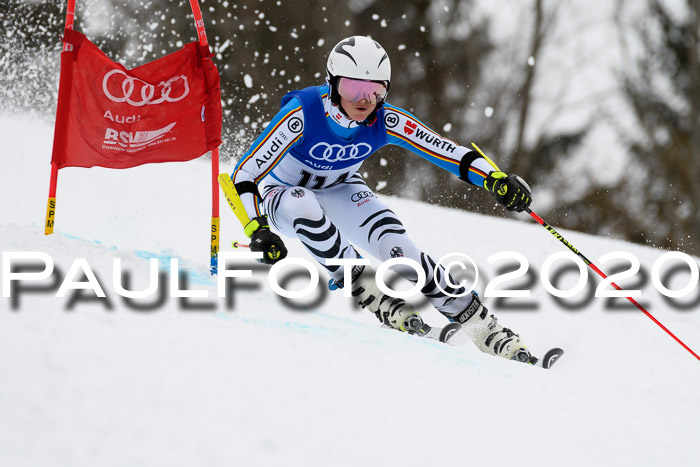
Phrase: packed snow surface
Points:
(248, 380)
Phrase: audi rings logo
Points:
(362, 195)
(339, 153)
(138, 92)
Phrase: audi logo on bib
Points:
(362, 195)
(339, 153)
(120, 87)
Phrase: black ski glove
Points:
(510, 190)
(262, 239)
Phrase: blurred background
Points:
(593, 102)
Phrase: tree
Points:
(447, 68)
(28, 55)
(661, 196)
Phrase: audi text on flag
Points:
(109, 116)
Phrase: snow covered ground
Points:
(250, 381)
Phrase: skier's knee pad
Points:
(297, 203)
(393, 246)
(397, 245)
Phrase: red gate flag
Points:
(109, 116)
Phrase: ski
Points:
(440, 334)
(551, 357)
(443, 335)
(447, 331)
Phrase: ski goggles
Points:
(355, 90)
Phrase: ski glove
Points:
(510, 190)
(263, 240)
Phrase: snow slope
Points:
(255, 382)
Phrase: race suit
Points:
(302, 172)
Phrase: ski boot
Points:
(394, 312)
(489, 336)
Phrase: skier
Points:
(301, 175)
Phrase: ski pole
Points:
(236, 244)
(559, 237)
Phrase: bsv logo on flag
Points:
(134, 141)
(339, 153)
(120, 87)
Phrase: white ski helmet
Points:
(357, 57)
